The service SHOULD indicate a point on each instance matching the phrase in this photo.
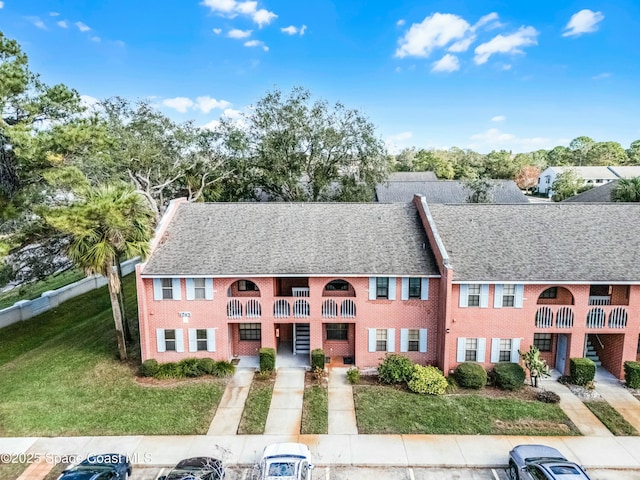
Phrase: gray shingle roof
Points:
(601, 194)
(412, 177)
(562, 242)
(234, 239)
(443, 191)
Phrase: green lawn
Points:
(256, 408)
(315, 410)
(611, 419)
(382, 409)
(34, 290)
(11, 471)
(60, 376)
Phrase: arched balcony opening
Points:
(243, 288)
(556, 296)
(338, 288)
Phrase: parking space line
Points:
(411, 474)
(495, 474)
(326, 473)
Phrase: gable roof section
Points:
(445, 191)
(601, 194)
(627, 171)
(588, 173)
(273, 239)
(551, 243)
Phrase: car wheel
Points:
(513, 471)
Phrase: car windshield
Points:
(564, 470)
(282, 469)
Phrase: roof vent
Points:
(424, 246)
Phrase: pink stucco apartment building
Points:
(441, 284)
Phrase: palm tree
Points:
(108, 223)
(627, 190)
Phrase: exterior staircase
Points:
(591, 354)
(302, 339)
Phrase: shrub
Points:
(317, 358)
(169, 370)
(471, 375)
(427, 380)
(223, 369)
(353, 375)
(632, 374)
(548, 396)
(206, 365)
(509, 376)
(267, 359)
(149, 368)
(190, 367)
(395, 369)
(582, 370)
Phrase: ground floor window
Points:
(170, 340)
(414, 340)
(201, 339)
(337, 331)
(381, 340)
(250, 331)
(471, 350)
(505, 350)
(542, 341)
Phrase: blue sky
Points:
(518, 75)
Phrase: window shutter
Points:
(157, 289)
(208, 288)
(404, 339)
(391, 339)
(423, 340)
(404, 295)
(372, 339)
(464, 295)
(179, 340)
(193, 340)
(160, 339)
(484, 296)
(519, 296)
(515, 347)
(211, 339)
(392, 288)
(424, 289)
(462, 343)
(191, 289)
(495, 350)
(497, 296)
(176, 289)
(372, 292)
(482, 347)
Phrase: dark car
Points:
(539, 462)
(197, 468)
(108, 466)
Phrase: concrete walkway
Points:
(285, 411)
(229, 412)
(614, 392)
(578, 413)
(342, 413)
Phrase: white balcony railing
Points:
(300, 291)
(234, 308)
(618, 318)
(301, 309)
(348, 309)
(596, 318)
(599, 300)
(544, 317)
(254, 309)
(281, 309)
(564, 317)
(329, 309)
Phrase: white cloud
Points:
(220, 5)
(256, 43)
(232, 8)
(212, 125)
(206, 104)
(601, 76)
(37, 22)
(491, 19)
(263, 17)
(247, 8)
(448, 63)
(236, 33)
(494, 139)
(585, 21)
(95, 39)
(181, 104)
(54, 14)
(498, 118)
(292, 30)
(1, 5)
(401, 22)
(82, 27)
(524, 37)
(232, 113)
(62, 24)
(395, 143)
(462, 45)
(217, 31)
(435, 31)
(88, 101)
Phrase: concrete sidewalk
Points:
(614, 392)
(229, 412)
(285, 411)
(342, 412)
(472, 451)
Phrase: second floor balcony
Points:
(597, 317)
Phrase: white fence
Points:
(25, 309)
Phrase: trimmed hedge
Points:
(206, 365)
(190, 367)
(471, 375)
(427, 380)
(223, 369)
(353, 375)
(582, 370)
(169, 370)
(509, 376)
(267, 359)
(632, 374)
(317, 359)
(149, 368)
(395, 369)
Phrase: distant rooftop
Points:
(445, 191)
(412, 177)
(601, 194)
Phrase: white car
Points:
(285, 461)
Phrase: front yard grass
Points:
(315, 410)
(611, 418)
(60, 376)
(11, 471)
(256, 408)
(383, 409)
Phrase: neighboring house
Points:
(440, 283)
(591, 176)
(412, 177)
(601, 194)
(626, 171)
(445, 191)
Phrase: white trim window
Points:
(382, 339)
(413, 340)
(382, 288)
(202, 339)
(474, 295)
(471, 349)
(508, 295)
(415, 288)
(505, 350)
(199, 288)
(166, 289)
(169, 340)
